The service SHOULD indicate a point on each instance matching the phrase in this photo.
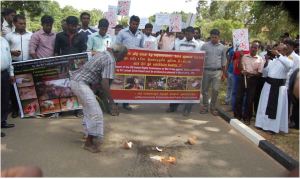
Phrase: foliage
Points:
(264, 22)
(33, 8)
(36, 9)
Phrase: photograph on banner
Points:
(69, 103)
(44, 84)
(134, 82)
(193, 83)
(31, 107)
(240, 39)
(175, 23)
(176, 83)
(156, 82)
(112, 19)
(162, 19)
(24, 80)
(123, 7)
(118, 82)
(152, 76)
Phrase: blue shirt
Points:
(130, 40)
(230, 65)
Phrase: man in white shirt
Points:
(6, 74)
(189, 44)
(19, 47)
(19, 40)
(180, 36)
(7, 25)
(272, 112)
(150, 42)
(198, 36)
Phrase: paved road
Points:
(55, 146)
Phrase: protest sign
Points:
(240, 39)
(43, 85)
(162, 19)
(143, 22)
(175, 23)
(190, 20)
(123, 7)
(152, 76)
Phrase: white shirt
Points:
(6, 57)
(200, 42)
(19, 42)
(150, 42)
(279, 67)
(178, 41)
(6, 28)
(295, 59)
(186, 45)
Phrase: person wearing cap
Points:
(99, 41)
(117, 28)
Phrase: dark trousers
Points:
(5, 89)
(249, 92)
(173, 106)
(13, 99)
(260, 85)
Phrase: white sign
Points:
(112, 18)
(240, 39)
(123, 7)
(162, 19)
(143, 22)
(190, 20)
(175, 23)
(156, 28)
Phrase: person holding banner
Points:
(214, 69)
(19, 48)
(150, 42)
(7, 72)
(251, 67)
(189, 44)
(132, 38)
(100, 68)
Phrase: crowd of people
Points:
(257, 80)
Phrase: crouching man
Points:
(100, 68)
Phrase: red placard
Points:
(153, 76)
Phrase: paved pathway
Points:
(55, 146)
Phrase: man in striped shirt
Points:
(100, 68)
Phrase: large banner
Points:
(43, 85)
(152, 76)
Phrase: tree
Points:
(31, 8)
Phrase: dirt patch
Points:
(144, 166)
